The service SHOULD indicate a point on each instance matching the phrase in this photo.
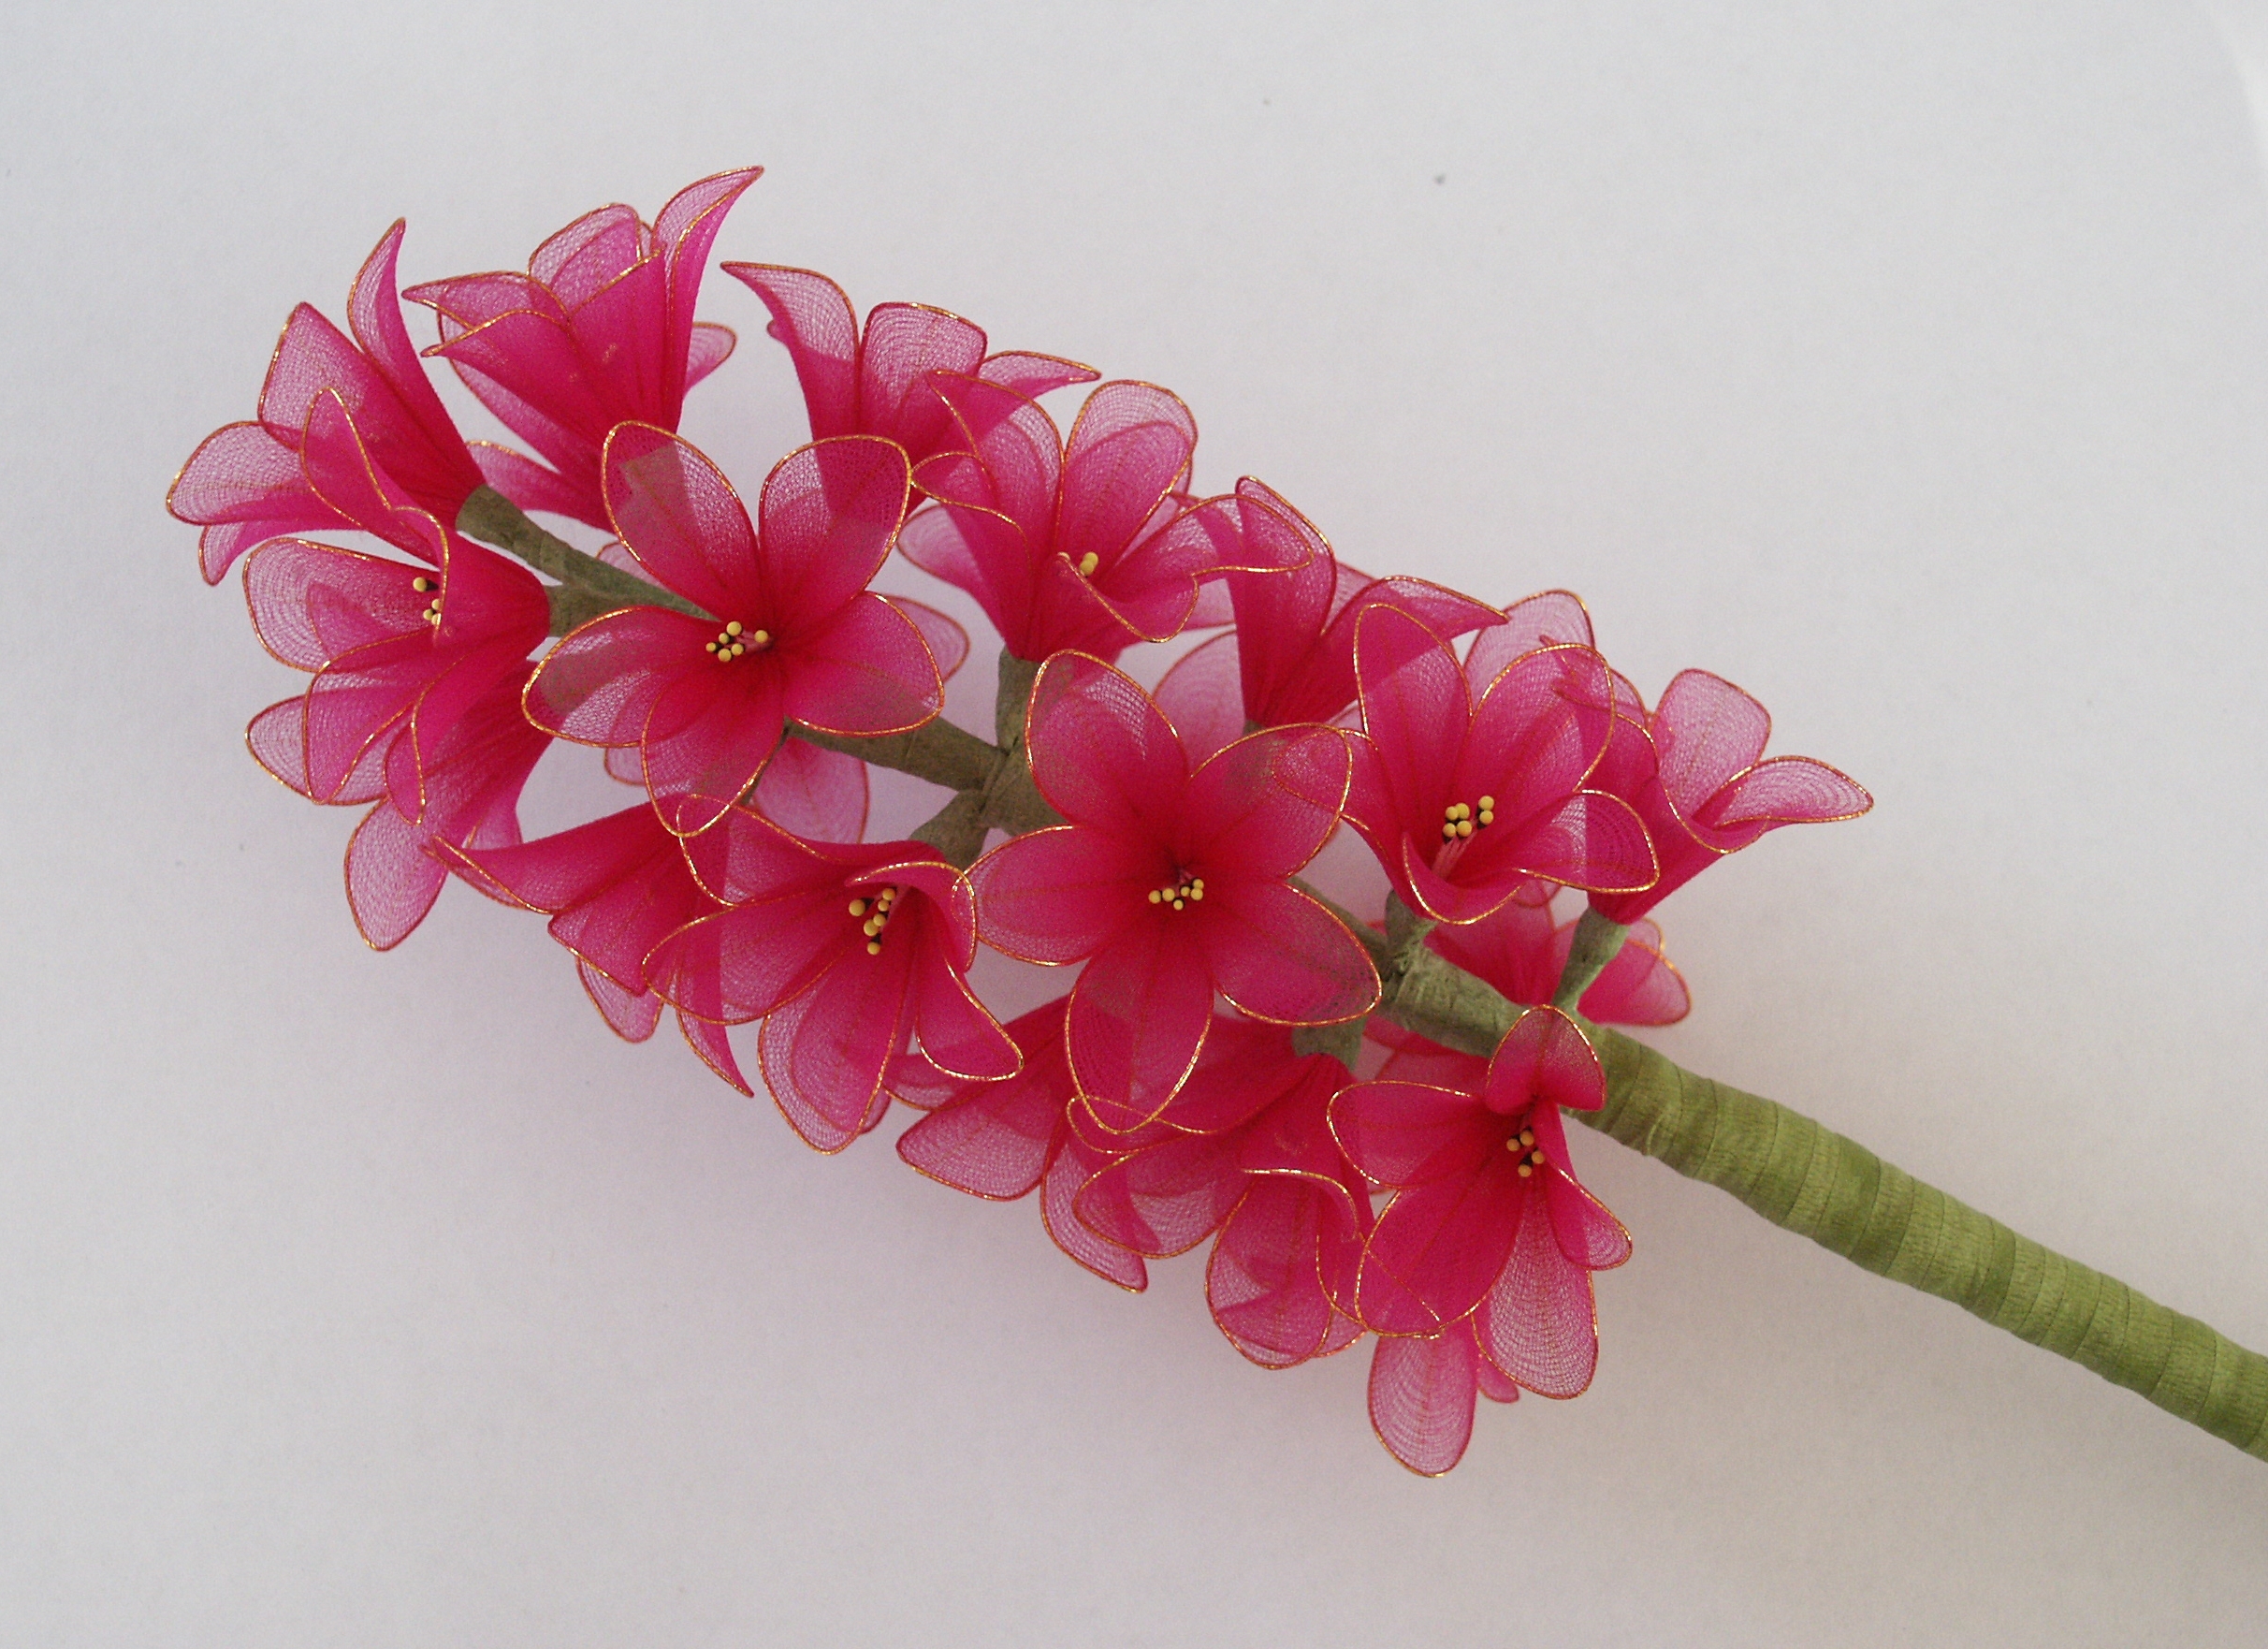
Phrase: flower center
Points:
(876, 913)
(1087, 564)
(1178, 893)
(432, 612)
(1524, 1151)
(1458, 819)
(735, 639)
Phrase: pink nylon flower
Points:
(1082, 545)
(245, 483)
(1291, 656)
(1470, 781)
(599, 331)
(1698, 777)
(1488, 1221)
(1245, 1150)
(856, 956)
(1174, 882)
(394, 647)
(795, 633)
(879, 382)
(1001, 1140)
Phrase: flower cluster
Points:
(1233, 1060)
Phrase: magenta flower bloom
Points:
(393, 647)
(599, 331)
(795, 632)
(1245, 1149)
(1699, 778)
(1082, 545)
(1468, 789)
(853, 955)
(879, 382)
(1001, 1140)
(245, 484)
(1174, 882)
(1488, 1220)
(1423, 1394)
(1291, 656)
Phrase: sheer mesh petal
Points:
(1495, 1384)
(1262, 1283)
(1203, 696)
(1018, 457)
(632, 1018)
(1056, 896)
(1033, 375)
(1512, 948)
(863, 670)
(1640, 986)
(1280, 956)
(1127, 449)
(814, 792)
(1421, 1393)
(829, 514)
(1167, 1198)
(957, 1034)
(713, 1044)
(1438, 1246)
(391, 881)
(685, 230)
(905, 342)
(823, 1053)
(1415, 712)
(1536, 733)
(1556, 617)
(947, 641)
(684, 523)
(1404, 1133)
(1068, 1172)
(1785, 790)
(706, 739)
(600, 684)
(1588, 1234)
(1102, 752)
(1707, 730)
(709, 347)
(244, 487)
(1139, 1016)
(1264, 806)
(812, 317)
(533, 488)
(1545, 1057)
(993, 1139)
(311, 603)
(1538, 1323)
(277, 739)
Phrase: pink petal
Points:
(864, 670)
(682, 519)
(746, 962)
(1203, 696)
(1438, 1246)
(632, 1018)
(1536, 733)
(829, 514)
(1511, 948)
(714, 1047)
(1539, 1322)
(1414, 711)
(1421, 1393)
(277, 739)
(958, 1035)
(1056, 896)
(1072, 1166)
(905, 342)
(1707, 731)
(1102, 752)
(311, 603)
(391, 881)
(1545, 1057)
(813, 317)
(1640, 986)
(1138, 1019)
(685, 230)
(1785, 790)
(1556, 617)
(707, 738)
(993, 1139)
(533, 488)
(825, 1052)
(244, 487)
(814, 792)
(1034, 375)
(600, 684)
(1019, 457)
(709, 347)
(1166, 1199)
(1279, 956)
(622, 333)
(1262, 1283)
(1588, 1233)
(1402, 1133)
(1127, 449)
(947, 641)
(1265, 805)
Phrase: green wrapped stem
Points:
(589, 588)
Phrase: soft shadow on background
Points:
(1908, 366)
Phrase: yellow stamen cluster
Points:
(1179, 893)
(1087, 564)
(432, 612)
(1458, 819)
(877, 913)
(733, 640)
(1522, 1148)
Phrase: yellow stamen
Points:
(1177, 904)
(421, 585)
(1156, 896)
(1197, 890)
(1537, 1158)
(1087, 564)
(1487, 804)
(858, 907)
(1525, 1171)
(733, 628)
(762, 638)
(1464, 827)
(1487, 818)
(874, 948)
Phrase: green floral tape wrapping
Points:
(1811, 1180)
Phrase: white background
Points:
(1907, 365)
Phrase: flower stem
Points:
(589, 587)
(1596, 942)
